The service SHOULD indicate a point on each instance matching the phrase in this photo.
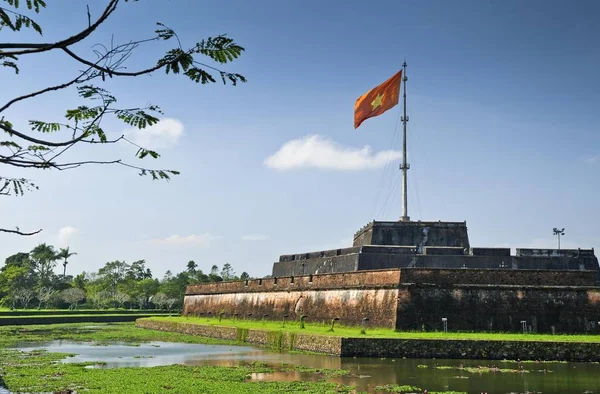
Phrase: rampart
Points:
(348, 296)
(415, 299)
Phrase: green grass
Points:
(5, 309)
(122, 332)
(82, 314)
(396, 388)
(341, 331)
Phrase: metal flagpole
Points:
(404, 166)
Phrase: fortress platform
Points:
(410, 276)
(383, 245)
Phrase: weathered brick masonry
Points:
(348, 296)
(415, 299)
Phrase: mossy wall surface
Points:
(278, 340)
(469, 349)
(392, 348)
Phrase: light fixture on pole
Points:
(558, 232)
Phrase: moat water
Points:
(471, 376)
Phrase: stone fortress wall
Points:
(349, 296)
(414, 299)
(410, 275)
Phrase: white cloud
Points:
(255, 237)
(65, 234)
(164, 134)
(591, 159)
(315, 151)
(202, 240)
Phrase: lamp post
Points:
(558, 232)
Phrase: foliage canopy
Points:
(44, 146)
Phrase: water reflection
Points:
(472, 376)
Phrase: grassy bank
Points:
(110, 332)
(56, 312)
(39, 371)
(73, 318)
(77, 314)
(354, 332)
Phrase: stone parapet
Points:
(346, 280)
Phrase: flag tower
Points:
(377, 101)
(404, 166)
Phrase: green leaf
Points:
(36, 27)
(199, 75)
(10, 144)
(101, 135)
(233, 78)
(159, 174)
(5, 20)
(136, 118)
(13, 65)
(165, 33)
(176, 60)
(44, 127)
(221, 49)
(83, 113)
(37, 148)
(142, 153)
(96, 93)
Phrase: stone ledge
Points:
(471, 349)
(391, 347)
(273, 339)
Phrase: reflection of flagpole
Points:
(404, 166)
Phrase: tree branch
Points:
(4, 230)
(46, 90)
(110, 71)
(69, 166)
(36, 141)
(29, 48)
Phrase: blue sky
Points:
(503, 131)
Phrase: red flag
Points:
(377, 100)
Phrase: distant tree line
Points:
(28, 280)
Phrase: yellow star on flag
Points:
(378, 101)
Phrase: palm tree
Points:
(191, 266)
(65, 254)
(43, 258)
